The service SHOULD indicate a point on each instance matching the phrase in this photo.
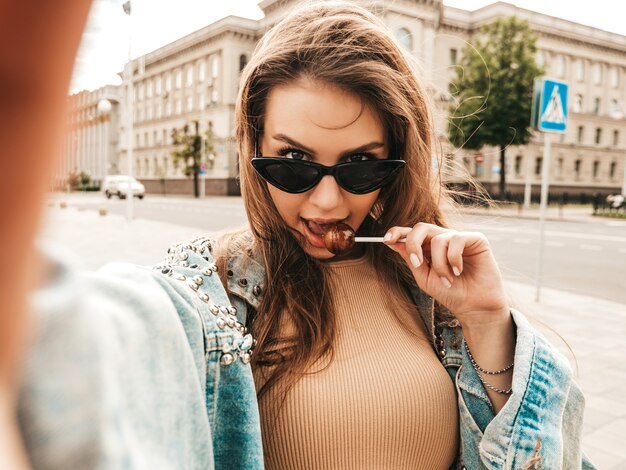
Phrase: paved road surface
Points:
(580, 257)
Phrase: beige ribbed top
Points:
(384, 401)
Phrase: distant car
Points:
(117, 185)
(616, 200)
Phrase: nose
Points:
(326, 195)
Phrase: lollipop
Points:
(340, 238)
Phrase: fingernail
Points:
(387, 237)
(445, 282)
(415, 261)
(456, 271)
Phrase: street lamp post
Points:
(129, 115)
(618, 115)
(104, 108)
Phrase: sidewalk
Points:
(593, 328)
(553, 213)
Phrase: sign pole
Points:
(549, 114)
(545, 170)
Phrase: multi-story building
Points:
(196, 79)
(91, 145)
(590, 156)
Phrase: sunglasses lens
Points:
(364, 177)
(290, 175)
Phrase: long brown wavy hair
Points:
(345, 45)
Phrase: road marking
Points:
(524, 241)
(553, 243)
(590, 247)
(550, 233)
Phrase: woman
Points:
(328, 106)
(397, 354)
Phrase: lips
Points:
(314, 231)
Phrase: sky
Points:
(154, 23)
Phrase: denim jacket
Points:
(136, 368)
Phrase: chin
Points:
(318, 253)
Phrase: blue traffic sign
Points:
(553, 106)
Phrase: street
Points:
(579, 257)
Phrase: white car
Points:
(616, 200)
(117, 185)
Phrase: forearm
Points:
(38, 43)
(492, 344)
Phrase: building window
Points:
(189, 104)
(538, 164)
(178, 79)
(580, 135)
(215, 66)
(159, 110)
(201, 71)
(168, 108)
(615, 110)
(149, 89)
(612, 170)
(243, 61)
(559, 167)
(140, 91)
(147, 168)
(580, 70)
(578, 103)
(202, 101)
(454, 56)
(598, 138)
(189, 79)
(615, 138)
(138, 165)
(157, 86)
(405, 38)
(146, 141)
(518, 165)
(560, 66)
(614, 77)
(596, 168)
(168, 82)
(149, 113)
(165, 139)
(577, 164)
(596, 106)
(179, 107)
(214, 96)
(137, 140)
(597, 74)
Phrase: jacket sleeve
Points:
(124, 371)
(540, 426)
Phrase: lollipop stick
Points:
(374, 240)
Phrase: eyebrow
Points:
(363, 148)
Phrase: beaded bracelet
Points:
(479, 369)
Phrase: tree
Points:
(189, 149)
(492, 91)
(188, 153)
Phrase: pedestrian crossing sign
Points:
(551, 105)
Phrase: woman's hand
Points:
(455, 268)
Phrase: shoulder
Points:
(243, 270)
